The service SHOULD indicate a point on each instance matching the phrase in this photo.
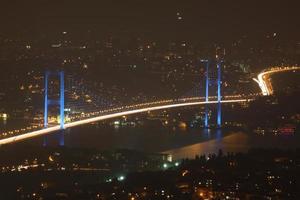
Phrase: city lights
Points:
(152, 100)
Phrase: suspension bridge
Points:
(114, 112)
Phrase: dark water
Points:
(181, 143)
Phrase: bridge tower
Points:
(209, 81)
(60, 102)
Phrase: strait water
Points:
(180, 143)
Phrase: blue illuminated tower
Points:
(219, 82)
(206, 94)
(60, 103)
(219, 96)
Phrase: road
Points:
(264, 82)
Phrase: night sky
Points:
(216, 19)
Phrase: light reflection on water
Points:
(236, 142)
(180, 143)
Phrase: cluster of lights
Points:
(168, 165)
(20, 168)
(21, 130)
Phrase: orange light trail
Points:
(264, 83)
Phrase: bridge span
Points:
(117, 113)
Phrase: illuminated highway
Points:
(264, 82)
(116, 113)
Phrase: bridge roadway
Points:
(263, 81)
(119, 113)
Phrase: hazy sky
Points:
(226, 16)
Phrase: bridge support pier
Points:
(62, 107)
(219, 109)
(206, 95)
(60, 103)
(219, 96)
